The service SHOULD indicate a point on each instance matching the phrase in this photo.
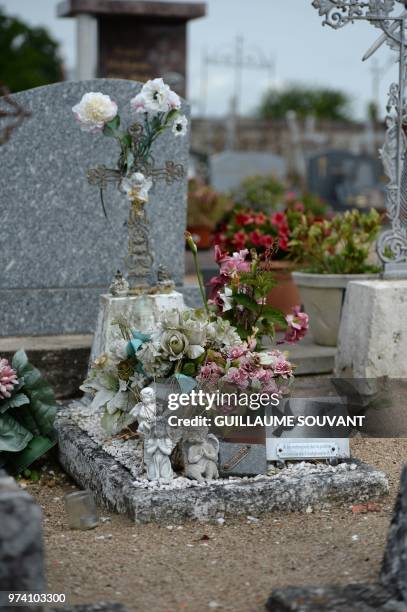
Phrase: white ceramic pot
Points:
(322, 296)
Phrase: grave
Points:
(65, 252)
(344, 179)
(389, 593)
(229, 168)
(135, 40)
(111, 468)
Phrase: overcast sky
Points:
(289, 31)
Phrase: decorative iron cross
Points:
(392, 244)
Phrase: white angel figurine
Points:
(158, 447)
(145, 411)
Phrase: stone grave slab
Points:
(59, 252)
(229, 168)
(112, 470)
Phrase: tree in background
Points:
(322, 103)
(28, 56)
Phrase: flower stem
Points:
(194, 251)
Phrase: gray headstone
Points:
(394, 568)
(230, 168)
(58, 253)
(21, 547)
(344, 179)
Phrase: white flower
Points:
(136, 187)
(222, 333)
(267, 359)
(156, 95)
(226, 298)
(138, 103)
(94, 111)
(180, 126)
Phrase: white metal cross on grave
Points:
(383, 14)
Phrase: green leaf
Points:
(274, 316)
(14, 402)
(247, 302)
(19, 361)
(13, 436)
(110, 128)
(37, 447)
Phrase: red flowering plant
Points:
(246, 228)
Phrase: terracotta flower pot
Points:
(286, 294)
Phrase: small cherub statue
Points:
(201, 458)
(119, 287)
(158, 447)
(145, 411)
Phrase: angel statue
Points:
(145, 412)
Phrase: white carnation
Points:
(94, 111)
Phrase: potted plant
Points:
(261, 232)
(206, 207)
(332, 253)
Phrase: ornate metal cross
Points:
(382, 14)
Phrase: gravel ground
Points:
(200, 566)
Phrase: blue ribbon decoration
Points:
(186, 383)
(136, 342)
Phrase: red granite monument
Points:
(132, 39)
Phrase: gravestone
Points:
(344, 179)
(58, 252)
(229, 168)
(133, 40)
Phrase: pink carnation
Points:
(237, 351)
(238, 377)
(209, 374)
(8, 379)
(298, 324)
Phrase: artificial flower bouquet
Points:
(27, 413)
(218, 346)
(155, 109)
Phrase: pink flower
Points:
(237, 351)
(243, 218)
(238, 377)
(209, 374)
(231, 263)
(298, 324)
(8, 379)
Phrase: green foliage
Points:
(27, 417)
(262, 192)
(322, 103)
(340, 245)
(28, 56)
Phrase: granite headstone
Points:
(229, 168)
(58, 252)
